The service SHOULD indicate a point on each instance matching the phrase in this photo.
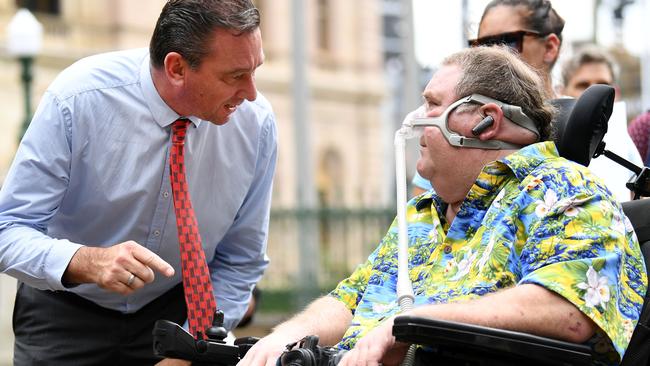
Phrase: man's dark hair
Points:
(541, 16)
(186, 27)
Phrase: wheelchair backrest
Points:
(581, 123)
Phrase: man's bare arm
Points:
(526, 308)
(326, 317)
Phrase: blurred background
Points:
(340, 75)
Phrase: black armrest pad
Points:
(475, 339)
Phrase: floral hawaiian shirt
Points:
(531, 217)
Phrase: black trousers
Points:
(61, 328)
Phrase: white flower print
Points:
(618, 222)
(433, 235)
(379, 308)
(628, 225)
(465, 264)
(497, 201)
(486, 253)
(570, 206)
(550, 198)
(597, 291)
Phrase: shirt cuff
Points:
(57, 263)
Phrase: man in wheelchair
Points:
(515, 236)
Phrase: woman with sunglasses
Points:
(531, 27)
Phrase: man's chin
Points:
(219, 121)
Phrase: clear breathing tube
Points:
(405, 296)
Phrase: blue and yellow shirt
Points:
(531, 217)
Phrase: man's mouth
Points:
(230, 107)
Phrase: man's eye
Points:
(429, 105)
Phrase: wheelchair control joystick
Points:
(217, 333)
(172, 341)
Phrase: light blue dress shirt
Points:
(93, 169)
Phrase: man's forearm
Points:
(326, 317)
(525, 308)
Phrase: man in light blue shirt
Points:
(87, 222)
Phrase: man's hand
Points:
(377, 346)
(266, 351)
(173, 362)
(112, 268)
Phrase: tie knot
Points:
(179, 129)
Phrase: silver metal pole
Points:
(411, 86)
(645, 65)
(306, 215)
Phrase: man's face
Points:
(587, 75)
(450, 169)
(225, 77)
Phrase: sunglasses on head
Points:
(514, 40)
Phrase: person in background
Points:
(516, 238)
(592, 65)
(94, 202)
(587, 66)
(639, 130)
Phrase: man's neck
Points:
(452, 210)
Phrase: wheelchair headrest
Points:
(578, 136)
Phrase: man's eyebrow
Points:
(429, 97)
(245, 69)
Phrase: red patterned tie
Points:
(196, 278)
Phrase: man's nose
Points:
(248, 90)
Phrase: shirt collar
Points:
(521, 163)
(161, 112)
(525, 160)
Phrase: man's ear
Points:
(175, 68)
(552, 48)
(490, 125)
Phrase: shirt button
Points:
(447, 249)
(166, 194)
(156, 233)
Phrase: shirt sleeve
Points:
(351, 290)
(240, 258)
(584, 248)
(31, 194)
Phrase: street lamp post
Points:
(24, 36)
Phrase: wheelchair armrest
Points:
(492, 343)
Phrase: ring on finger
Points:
(129, 282)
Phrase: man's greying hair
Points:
(591, 54)
(541, 16)
(498, 73)
(186, 27)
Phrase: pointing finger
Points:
(153, 261)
